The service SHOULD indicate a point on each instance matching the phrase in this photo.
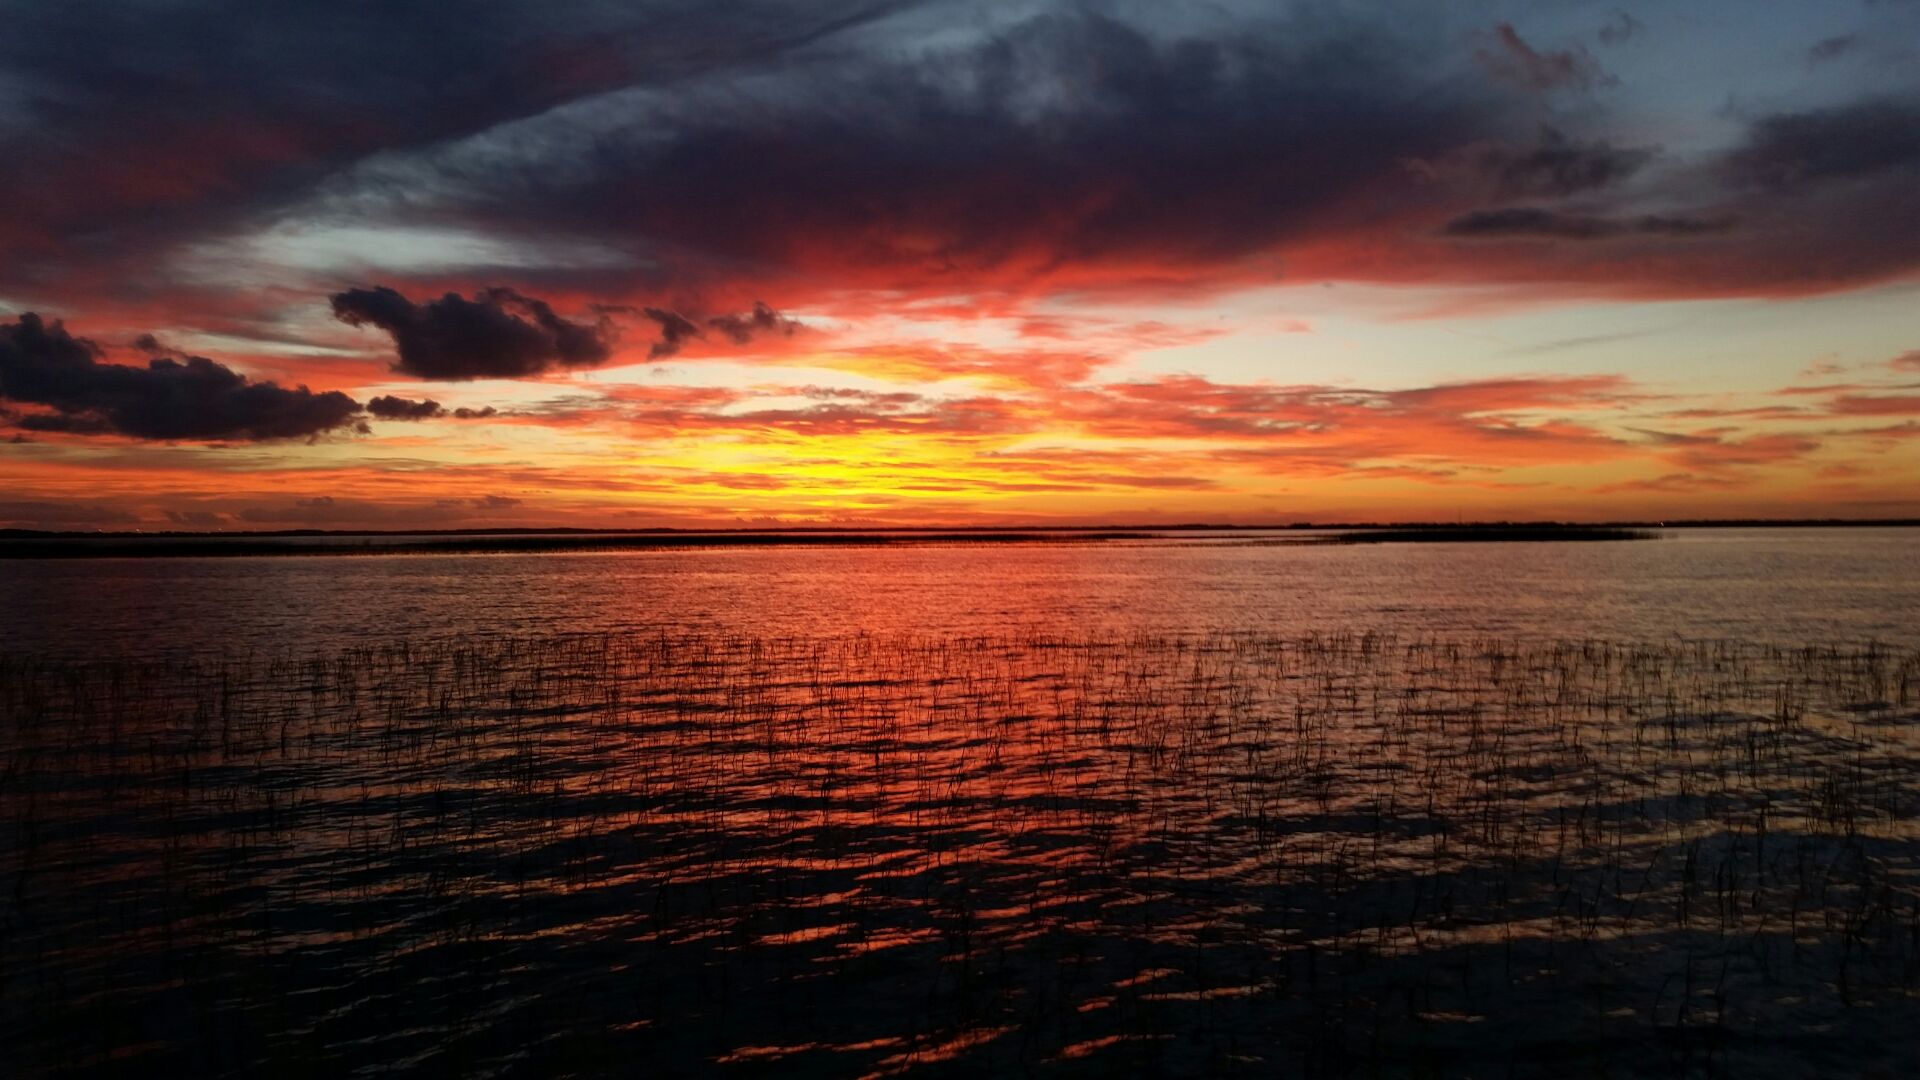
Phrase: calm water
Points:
(1162, 807)
(1762, 585)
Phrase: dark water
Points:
(1187, 808)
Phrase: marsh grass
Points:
(681, 853)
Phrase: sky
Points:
(384, 265)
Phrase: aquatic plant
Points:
(1332, 853)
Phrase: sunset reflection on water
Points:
(882, 853)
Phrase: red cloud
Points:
(1876, 405)
(1715, 454)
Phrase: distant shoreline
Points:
(236, 545)
(29, 544)
(1131, 527)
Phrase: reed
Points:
(1333, 853)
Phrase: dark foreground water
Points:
(1519, 809)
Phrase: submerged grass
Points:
(694, 852)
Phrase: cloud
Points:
(675, 330)
(1072, 147)
(1334, 429)
(743, 328)
(943, 418)
(1075, 154)
(1832, 48)
(196, 519)
(1620, 28)
(1674, 483)
(1676, 438)
(1804, 202)
(1719, 454)
(153, 346)
(499, 334)
(391, 407)
(1860, 141)
(1513, 59)
(1876, 405)
(240, 107)
(1559, 166)
(869, 155)
(1906, 361)
(63, 514)
(328, 511)
(928, 361)
(481, 502)
(1532, 222)
(869, 397)
(388, 407)
(1321, 429)
(194, 398)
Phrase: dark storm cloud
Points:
(499, 334)
(675, 330)
(391, 407)
(153, 346)
(1620, 28)
(1804, 201)
(743, 328)
(711, 153)
(1825, 198)
(1559, 166)
(740, 328)
(195, 398)
(1863, 140)
(1533, 222)
(1512, 58)
(388, 407)
(1066, 141)
(148, 125)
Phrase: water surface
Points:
(1761, 585)
(1172, 807)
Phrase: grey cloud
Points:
(743, 328)
(392, 407)
(498, 334)
(1859, 141)
(389, 407)
(1620, 28)
(214, 113)
(1532, 222)
(675, 330)
(1558, 166)
(1832, 48)
(1513, 59)
(195, 398)
(1064, 140)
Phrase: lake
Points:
(1761, 585)
(1180, 804)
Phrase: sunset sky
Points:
(366, 265)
